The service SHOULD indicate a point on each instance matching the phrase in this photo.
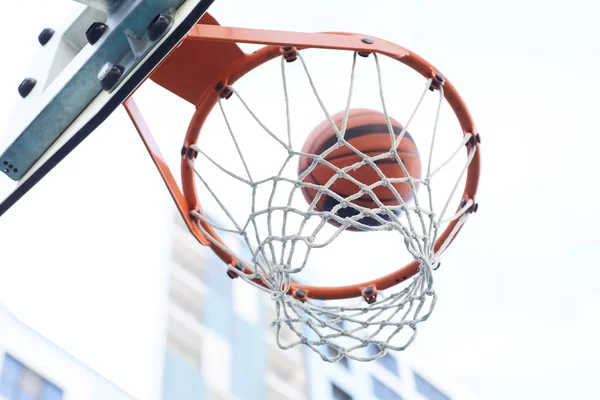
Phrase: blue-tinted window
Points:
(11, 376)
(51, 392)
(428, 390)
(18, 382)
(12, 369)
(382, 392)
(339, 394)
(390, 363)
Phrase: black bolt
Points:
(478, 137)
(440, 77)
(109, 75)
(26, 87)
(219, 86)
(290, 57)
(231, 274)
(45, 36)
(475, 207)
(226, 94)
(363, 54)
(95, 32)
(472, 141)
(159, 25)
(300, 294)
(368, 290)
(192, 153)
(286, 48)
(367, 40)
(463, 203)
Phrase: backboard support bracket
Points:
(49, 154)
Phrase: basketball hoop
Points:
(360, 321)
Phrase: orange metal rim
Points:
(273, 49)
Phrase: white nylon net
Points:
(280, 234)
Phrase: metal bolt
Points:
(159, 25)
(26, 87)
(440, 77)
(232, 274)
(367, 40)
(45, 36)
(300, 294)
(109, 75)
(368, 290)
(291, 57)
(95, 32)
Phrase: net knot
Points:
(309, 239)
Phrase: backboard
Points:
(82, 72)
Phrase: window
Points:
(390, 363)
(18, 382)
(339, 394)
(428, 390)
(382, 392)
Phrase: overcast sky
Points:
(518, 291)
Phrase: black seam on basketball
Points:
(369, 198)
(379, 162)
(370, 154)
(359, 131)
(338, 124)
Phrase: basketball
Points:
(368, 132)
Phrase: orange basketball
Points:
(368, 132)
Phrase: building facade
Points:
(396, 376)
(220, 345)
(219, 342)
(33, 368)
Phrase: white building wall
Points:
(77, 381)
